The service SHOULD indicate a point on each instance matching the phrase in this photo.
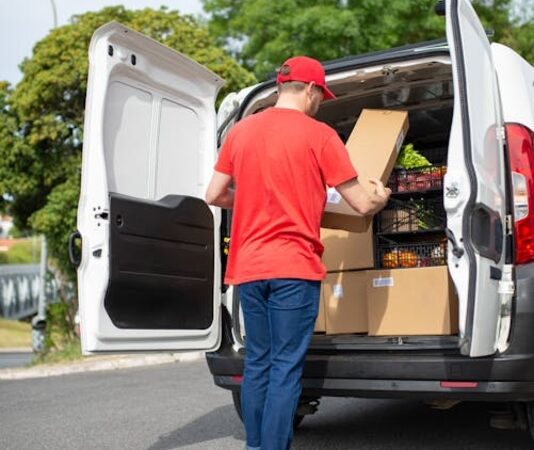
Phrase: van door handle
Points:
(74, 259)
(456, 250)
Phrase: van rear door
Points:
(475, 198)
(149, 277)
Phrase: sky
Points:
(25, 22)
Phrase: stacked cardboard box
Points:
(345, 302)
(320, 323)
(346, 250)
(406, 302)
(373, 148)
(348, 238)
(399, 302)
(355, 298)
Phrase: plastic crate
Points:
(412, 215)
(417, 180)
(408, 255)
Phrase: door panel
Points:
(149, 277)
(475, 197)
(125, 145)
(161, 261)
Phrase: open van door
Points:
(149, 277)
(475, 198)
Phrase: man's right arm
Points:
(362, 201)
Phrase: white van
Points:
(153, 252)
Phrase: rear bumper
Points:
(413, 389)
(374, 375)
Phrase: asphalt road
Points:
(14, 359)
(176, 406)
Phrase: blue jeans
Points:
(279, 317)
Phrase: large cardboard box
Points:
(345, 250)
(345, 302)
(320, 323)
(373, 147)
(408, 302)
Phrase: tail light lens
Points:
(521, 153)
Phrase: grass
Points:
(23, 251)
(70, 351)
(14, 333)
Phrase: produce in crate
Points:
(415, 172)
(408, 259)
(429, 215)
(400, 258)
(390, 260)
(438, 254)
(409, 158)
(412, 215)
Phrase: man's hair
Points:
(291, 87)
(295, 87)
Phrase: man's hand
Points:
(361, 200)
(380, 189)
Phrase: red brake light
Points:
(237, 378)
(458, 384)
(521, 153)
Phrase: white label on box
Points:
(338, 291)
(333, 196)
(383, 282)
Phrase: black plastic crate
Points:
(417, 180)
(392, 255)
(402, 216)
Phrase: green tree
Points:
(41, 119)
(263, 33)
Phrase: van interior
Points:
(423, 88)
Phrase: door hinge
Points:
(509, 225)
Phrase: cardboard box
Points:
(345, 250)
(320, 323)
(408, 302)
(345, 302)
(373, 147)
(347, 223)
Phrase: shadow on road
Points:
(217, 424)
(348, 424)
(406, 425)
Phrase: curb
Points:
(16, 350)
(97, 364)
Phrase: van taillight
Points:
(521, 152)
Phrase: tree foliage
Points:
(263, 33)
(41, 119)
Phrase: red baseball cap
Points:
(305, 69)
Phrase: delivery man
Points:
(272, 170)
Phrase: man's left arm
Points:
(219, 192)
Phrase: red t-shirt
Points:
(280, 160)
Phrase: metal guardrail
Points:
(19, 290)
